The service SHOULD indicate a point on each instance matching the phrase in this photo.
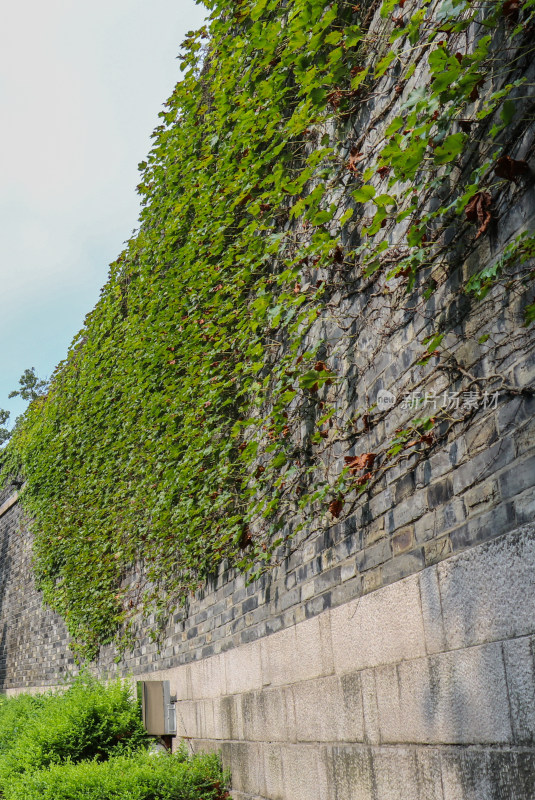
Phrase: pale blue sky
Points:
(81, 85)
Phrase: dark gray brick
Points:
(520, 476)
(439, 493)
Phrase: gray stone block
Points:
(327, 580)
(369, 707)
(486, 526)
(518, 477)
(482, 497)
(488, 593)
(305, 772)
(350, 771)
(429, 774)
(437, 550)
(243, 670)
(408, 511)
(347, 591)
(424, 528)
(373, 555)
(452, 698)
(525, 434)
(274, 779)
(265, 716)
(382, 627)
(483, 465)
(228, 712)
(318, 604)
(329, 710)
(439, 493)
(512, 414)
(449, 515)
(246, 762)
(512, 774)
(435, 637)
(403, 565)
(396, 773)
(520, 672)
(525, 507)
(466, 775)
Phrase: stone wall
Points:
(389, 654)
(33, 640)
(424, 688)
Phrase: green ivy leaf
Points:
(359, 78)
(384, 64)
(450, 148)
(363, 194)
(529, 315)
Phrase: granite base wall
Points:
(424, 689)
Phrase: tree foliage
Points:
(4, 432)
(30, 386)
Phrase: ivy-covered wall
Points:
(301, 415)
(330, 288)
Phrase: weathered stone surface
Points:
(246, 760)
(207, 678)
(458, 697)
(243, 668)
(520, 672)
(466, 774)
(372, 734)
(329, 710)
(488, 593)
(351, 773)
(275, 786)
(394, 769)
(265, 716)
(385, 626)
(435, 636)
(305, 772)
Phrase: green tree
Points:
(31, 387)
(4, 432)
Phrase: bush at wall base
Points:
(88, 742)
(140, 776)
(87, 720)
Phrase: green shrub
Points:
(16, 713)
(140, 776)
(88, 721)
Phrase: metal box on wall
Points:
(158, 707)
